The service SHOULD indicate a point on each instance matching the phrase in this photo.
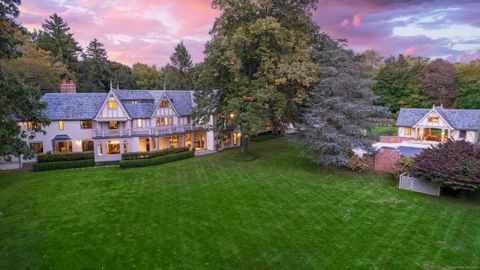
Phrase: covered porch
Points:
(430, 134)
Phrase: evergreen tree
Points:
(396, 83)
(259, 60)
(97, 67)
(121, 75)
(177, 74)
(343, 107)
(55, 37)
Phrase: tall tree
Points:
(96, 72)
(145, 76)
(56, 38)
(260, 62)
(468, 94)
(18, 102)
(8, 27)
(36, 67)
(438, 81)
(343, 107)
(396, 84)
(177, 74)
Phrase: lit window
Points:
(60, 125)
(236, 137)
(87, 146)
(65, 147)
(112, 104)
(113, 147)
(408, 131)
(173, 141)
(164, 103)
(32, 126)
(113, 125)
(433, 119)
(86, 124)
(139, 123)
(164, 121)
(37, 147)
(227, 138)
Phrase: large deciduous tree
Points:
(468, 93)
(177, 74)
(343, 107)
(396, 85)
(18, 102)
(121, 75)
(260, 63)
(56, 38)
(145, 76)
(8, 28)
(438, 81)
(454, 164)
(36, 67)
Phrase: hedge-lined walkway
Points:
(211, 212)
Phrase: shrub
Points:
(357, 163)
(403, 165)
(152, 154)
(155, 160)
(58, 165)
(454, 164)
(52, 157)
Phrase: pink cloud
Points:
(356, 21)
(345, 22)
(409, 51)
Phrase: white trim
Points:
(118, 103)
(164, 94)
(427, 114)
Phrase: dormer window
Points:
(112, 104)
(164, 103)
(433, 119)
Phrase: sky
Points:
(147, 31)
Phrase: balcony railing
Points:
(153, 131)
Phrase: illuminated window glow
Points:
(408, 131)
(60, 125)
(433, 119)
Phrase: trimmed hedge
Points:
(63, 165)
(53, 157)
(152, 154)
(155, 160)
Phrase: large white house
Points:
(439, 124)
(121, 121)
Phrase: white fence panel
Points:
(418, 185)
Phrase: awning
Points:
(62, 138)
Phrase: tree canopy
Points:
(468, 94)
(145, 76)
(177, 74)
(260, 64)
(342, 109)
(438, 81)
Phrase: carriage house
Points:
(121, 121)
(439, 124)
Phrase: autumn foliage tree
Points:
(438, 81)
(454, 164)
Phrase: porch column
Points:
(192, 139)
(443, 134)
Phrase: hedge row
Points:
(63, 165)
(155, 160)
(152, 154)
(52, 157)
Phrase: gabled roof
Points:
(408, 117)
(461, 119)
(137, 103)
(73, 106)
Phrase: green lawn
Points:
(384, 131)
(212, 212)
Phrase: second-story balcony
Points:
(151, 131)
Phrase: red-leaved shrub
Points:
(454, 164)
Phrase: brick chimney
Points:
(68, 87)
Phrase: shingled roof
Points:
(137, 103)
(461, 119)
(73, 106)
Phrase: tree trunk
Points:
(245, 141)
